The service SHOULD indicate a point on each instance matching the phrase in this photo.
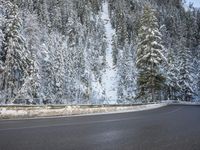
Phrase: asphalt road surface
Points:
(167, 128)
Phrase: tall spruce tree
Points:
(2, 20)
(172, 85)
(185, 68)
(149, 57)
(16, 59)
(33, 88)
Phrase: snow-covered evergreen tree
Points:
(84, 51)
(198, 75)
(173, 87)
(149, 57)
(185, 68)
(2, 22)
(33, 37)
(58, 68)
(127, 75)
(43, 14)
(17, 58)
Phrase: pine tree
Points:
(2, 22)
(43, 14)
(55, 14)
(66, 43)
(149, 57)
(126, 69)
(185, 67)
(173, 87)
(46, 73)
(33, 34)
(2, 35)
(58, 68)
(198, 74)
(17, 58)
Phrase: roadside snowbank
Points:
(33, 112)
(180, 102)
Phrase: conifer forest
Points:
(98, 51)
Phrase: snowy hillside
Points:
(110, 79)
(98, 51)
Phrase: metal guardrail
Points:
(36, 102)
(89, 105)
(80, 106)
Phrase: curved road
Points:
(168, 128)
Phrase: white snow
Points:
(97, 91)
(45, 111)
(14, 113)
(196, 3)
(180, 102)
(110, 76)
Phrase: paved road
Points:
(167, 128)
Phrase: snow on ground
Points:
(110, 76)
(180, 102)
(97, 91)
(196, 3)
(189, 103)
(34, 112)
(9, 112)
